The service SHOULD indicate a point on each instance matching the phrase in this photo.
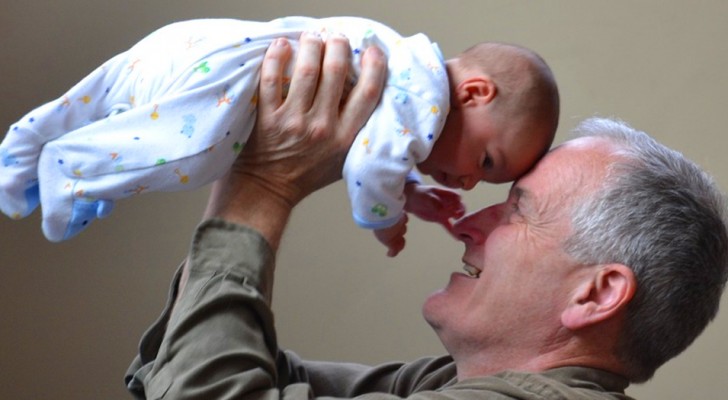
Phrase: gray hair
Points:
(664, 217)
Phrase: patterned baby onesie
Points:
(173, 112)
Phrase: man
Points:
(611, 253)
(605, 261)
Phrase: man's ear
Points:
(603, 296)
(476, 90)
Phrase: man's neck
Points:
(536, 360)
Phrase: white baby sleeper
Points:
(173, 112)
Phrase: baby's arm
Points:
(393, 237)
(433, 204)
(429, 203)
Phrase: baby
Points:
(174, 111)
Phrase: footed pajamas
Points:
(173, 112)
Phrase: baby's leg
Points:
(181, 140)
(190, 109)
(84, 173)
(88, 101)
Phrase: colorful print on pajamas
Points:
(173, 112)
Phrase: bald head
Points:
(527, 90)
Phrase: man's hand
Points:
(299, 143)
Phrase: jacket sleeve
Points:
(218, 340)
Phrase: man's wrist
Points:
(251, 202)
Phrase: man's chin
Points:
(434, 308)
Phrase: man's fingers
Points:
(365, 95)
(337, 58)
(306, 72)
(270, 90)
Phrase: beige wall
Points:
(71, 313)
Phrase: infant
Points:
(174, 111)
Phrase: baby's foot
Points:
(83, 213)
(19, 194)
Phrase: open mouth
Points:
(472, 271)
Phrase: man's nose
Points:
(474, 228)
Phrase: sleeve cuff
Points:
(221, 246)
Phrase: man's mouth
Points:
(472, 271)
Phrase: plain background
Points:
(72, 313)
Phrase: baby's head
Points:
(503, 116)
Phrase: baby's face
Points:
(470, 150)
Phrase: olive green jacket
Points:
(219, 342)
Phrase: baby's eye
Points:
(487, 162)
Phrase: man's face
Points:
(524, 278)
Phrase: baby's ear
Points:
(476, 90)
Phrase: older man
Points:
(605, 261)
(610, 254)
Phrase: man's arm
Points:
(300, 143)
(219, 341)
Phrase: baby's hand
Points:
(433, 204)
(393, 237)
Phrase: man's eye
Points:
(515, 213)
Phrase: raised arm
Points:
(216, 339)
(300, 142)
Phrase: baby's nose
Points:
(468, 182)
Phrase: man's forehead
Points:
(594, 153)
(588, 144)
(567, 169)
